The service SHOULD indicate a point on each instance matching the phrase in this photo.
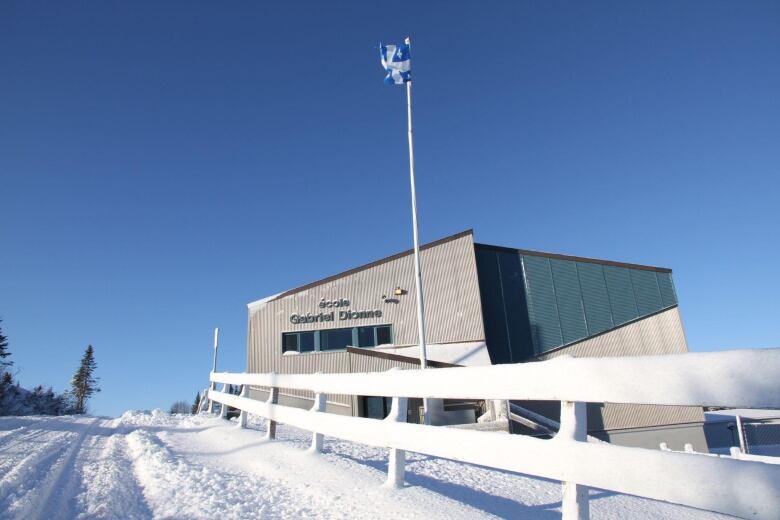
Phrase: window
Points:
(336, 339)
(374, 336)
(306, 341)
(290, 342)
(366, 337)
(376, 407)
(298, 341)
(384, 335)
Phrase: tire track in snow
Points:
(16, 456)
(24, 469)
(175, 487)
(23, 434)
(110, 488)
(53, 498)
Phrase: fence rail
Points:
(747, 379)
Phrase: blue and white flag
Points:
(397, 62)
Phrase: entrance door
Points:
(376, 407)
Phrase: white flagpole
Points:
(214, 366)
(417, 266)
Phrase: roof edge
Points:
(375, 263)
(576, 258)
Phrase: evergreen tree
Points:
(195, 404)
(180, 407)
(84, 384)
(4, 353)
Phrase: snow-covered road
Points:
(153, 465)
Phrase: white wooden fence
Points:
(744, 379)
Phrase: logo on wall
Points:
(343, 315)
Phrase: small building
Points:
(484, 305)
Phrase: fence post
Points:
(574, 427)
(741, 435)
(223, 409)
(396, 466)
(273, 398)
(204, 396)
(319, 406)
(243, 415)
(213, 388)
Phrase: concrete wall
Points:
(675, 436)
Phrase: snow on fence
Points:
(744, 379)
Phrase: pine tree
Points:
(179, 407)
(195, 404)
(84, 384)
(4, 351)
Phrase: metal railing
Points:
(746, 379)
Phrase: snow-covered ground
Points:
(153, 465)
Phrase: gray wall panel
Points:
(452, 306)
(660, 333)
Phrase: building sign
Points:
(341, 302)
(340, 315)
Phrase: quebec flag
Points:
(397, 62)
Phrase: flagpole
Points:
(417, 266)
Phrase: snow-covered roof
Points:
(747, 413)
(259, 303)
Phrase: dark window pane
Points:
(366, 337)
(375, 407)
(306, 341)
(290, 342)
(383, 336)
(335, 339)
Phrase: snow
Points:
(154, 465)
(745, 378)
(746, 413)
(473, 353)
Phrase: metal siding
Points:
(595, 297)
(646, 291)
(569, 299)
(493, 308)
(666, 286)
(661, 333)
(621, 294)
(516, 307)
(452, 305)
(542, 308)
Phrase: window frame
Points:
(317, 338)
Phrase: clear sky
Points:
(162, 164)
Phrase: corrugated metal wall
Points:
(535, 302)
(452, 306)
(661, 333)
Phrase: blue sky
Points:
(162, 165)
